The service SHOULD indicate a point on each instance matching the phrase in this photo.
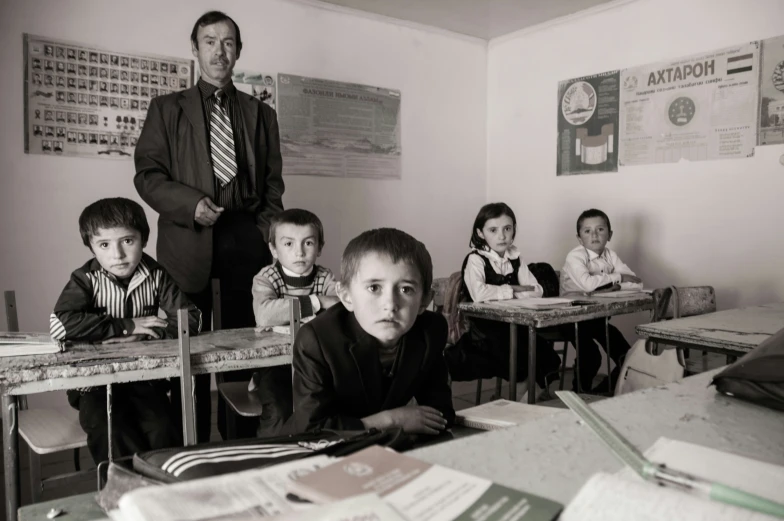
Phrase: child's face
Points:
(296, 247)
(594, 234)
(498, 233)
(118, 250)
(386, 298)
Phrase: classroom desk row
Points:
(554, 456)
(86, 365)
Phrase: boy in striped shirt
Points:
(115, 297)
(296, 238)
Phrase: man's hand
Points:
(327, 300)
(517, 288)
(207, 212)
(630, 278)
(145, 325)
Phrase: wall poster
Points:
(82, 100)
(771, 117)
(588, 124)
(258, 84)
(332, 128)
(695, 108)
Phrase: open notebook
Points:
(625, 496)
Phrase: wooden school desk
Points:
(600, 307)
(554, 456)
(733, 332)
(87, 365)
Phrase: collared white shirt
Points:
(314, 301)
(475, 276)
(585, 270)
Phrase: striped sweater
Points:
(271, 285)
(95, 306)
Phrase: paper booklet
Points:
(284, 330)
(500, 414)
(20, 344)
(421, 491)
(536, 303)
(250, 494)
(367, 507)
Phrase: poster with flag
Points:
(771, 107)
(694, 108)
(588, 124)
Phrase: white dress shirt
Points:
(475, 276)
(585, 270)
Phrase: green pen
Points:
(660, 474)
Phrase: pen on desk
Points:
(628, 453)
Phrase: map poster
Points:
(258, 84)
(771, 117)
(588, 124)
(695, 108)
(332, 128)
(82, 100)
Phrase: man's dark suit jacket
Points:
(338, 374)
(174, 171)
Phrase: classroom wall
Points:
(443, 82)
(711, 222)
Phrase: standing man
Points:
(208, 161)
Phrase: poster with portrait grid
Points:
(82, 100)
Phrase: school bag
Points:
(757, 376)
(647, 364)
(211, 459)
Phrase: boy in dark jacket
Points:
(359, 364)
(115, 297)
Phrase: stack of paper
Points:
(20, 344)
(500, 414)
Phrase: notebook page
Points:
(611, 497)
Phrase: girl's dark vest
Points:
(491, 277)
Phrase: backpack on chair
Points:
(453, 296)
(646, 364)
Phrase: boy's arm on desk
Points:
(71, 320)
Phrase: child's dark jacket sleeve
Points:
(75, 318)
(435, 391)
(173, 299)
(316, 403)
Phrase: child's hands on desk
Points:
(517, 288)
(145, 325)
(413, 419)
(630, 278)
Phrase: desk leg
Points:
(109, 430)
(513, 362)
(531, 364)
(577, 356)
(11, 456)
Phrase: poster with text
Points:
(588, 124)
(332, 128)
(771, 117)
(259, 85)
(695, 108)
(82, 100)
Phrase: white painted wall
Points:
(443, 84)
(712, 222)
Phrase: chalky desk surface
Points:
(85, 365)
(554, 456)
(733, 331)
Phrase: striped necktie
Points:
(224, 159)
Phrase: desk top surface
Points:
(85, 360)
(505, 311)
(740, 329)
(554, 456)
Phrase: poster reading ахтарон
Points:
(771, 118)
(695, 108)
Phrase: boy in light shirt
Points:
(590, 267)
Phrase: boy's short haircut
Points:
(297, 217)
(112, 213)
(593, 212)
(395, 244)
